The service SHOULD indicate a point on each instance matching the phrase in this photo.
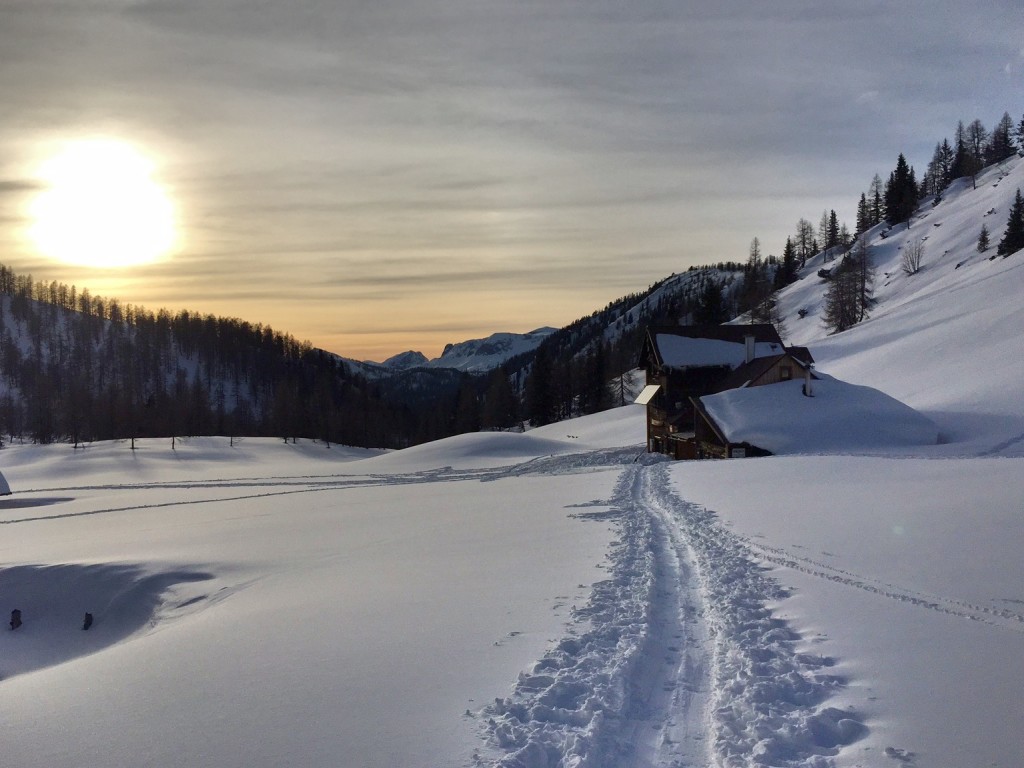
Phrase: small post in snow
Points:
(807, 382)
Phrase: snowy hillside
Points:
(947, 340)
(557, 598)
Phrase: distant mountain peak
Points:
(403, 361)
(479, 355)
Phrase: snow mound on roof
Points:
(679, 351)
(839, 417)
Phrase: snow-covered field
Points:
(556, 598)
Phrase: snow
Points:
(472, 356)
(838, 417)
(560, 597)
(677, 351)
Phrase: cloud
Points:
(414, 148)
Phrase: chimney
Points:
(748, 341)
(807, 382)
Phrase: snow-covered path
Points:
(270, 607)
(627, 686)
(678, 658)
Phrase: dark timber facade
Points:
(684, 363)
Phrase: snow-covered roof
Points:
(839, 417)
(684, 352)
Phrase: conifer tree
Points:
(863, 214)
(983, 239)
(961, 155)
(786, 273)
(541, 402)
(875, 195)
(900, 193)
(1013, 238)
(943, 165)
(499, 410)
(711, 308)
(1001, 144)
(833, 230)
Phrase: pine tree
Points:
(499, 410)
(786, 273)
(711, 308)
(594, 395)
(900, 193)
(541, 400)
(983, 239)
(466, 415)
(1013, 238)
(863, 214)
(943, 160)
(833, 230)
(961, 155)
(875, 195)
(1001, 144)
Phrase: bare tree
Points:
(913, 256)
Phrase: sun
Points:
(101, 207)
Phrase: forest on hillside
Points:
(76, 367)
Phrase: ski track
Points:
(998, 617)
(675, 661)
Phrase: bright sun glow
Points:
(101, 207)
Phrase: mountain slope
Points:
(946, 340)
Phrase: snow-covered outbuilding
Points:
(782, 418)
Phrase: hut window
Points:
(786, 373)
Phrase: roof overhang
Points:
(647, 394)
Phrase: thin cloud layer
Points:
(348, 152)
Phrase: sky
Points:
(378, 177)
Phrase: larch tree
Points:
(804, 241)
